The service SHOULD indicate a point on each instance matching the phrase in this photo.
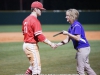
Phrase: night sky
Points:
(51, 4)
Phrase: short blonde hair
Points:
(73, 13)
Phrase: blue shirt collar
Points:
(73, 23)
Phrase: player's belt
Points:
(31, 42)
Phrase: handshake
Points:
(55, 45)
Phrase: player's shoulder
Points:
(77, 24)
(30, 18)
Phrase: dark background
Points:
(51, 4)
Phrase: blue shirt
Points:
(77, 29)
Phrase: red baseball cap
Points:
(37, 4)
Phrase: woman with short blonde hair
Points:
(76, 33)
(73, 14)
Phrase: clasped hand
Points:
(55, 45)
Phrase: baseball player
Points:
(77, 35)
(32, 32)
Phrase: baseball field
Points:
(59, 61)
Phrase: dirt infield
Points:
(18, 36)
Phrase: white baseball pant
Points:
(82, 57)
(32, 52)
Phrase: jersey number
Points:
(25, 27)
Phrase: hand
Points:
(65, 32)
(56, 45)
(53, 45)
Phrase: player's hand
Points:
(57, 45)
(65, 32)
(53, 45)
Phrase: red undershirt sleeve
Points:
(41, 37)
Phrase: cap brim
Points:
(43, 9)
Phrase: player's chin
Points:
(39, 14)
(67, 20)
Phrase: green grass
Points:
(17, 28)
(60, 61)
(10, 28)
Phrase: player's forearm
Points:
(75, 37)
(53, 45)
(63, 42)
(47, 42)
